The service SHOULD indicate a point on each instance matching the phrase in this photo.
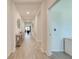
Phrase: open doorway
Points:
(28, 30)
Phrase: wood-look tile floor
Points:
(60, 55)
(28, 50)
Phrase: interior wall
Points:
(35, 28)
(44, 25)
(60, 18)
(16, 16)
(41, 26)
(22, 25)
(12, 29)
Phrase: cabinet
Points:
(68, 46)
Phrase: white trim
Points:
(58, 51)
(49, 53)
(9, 53)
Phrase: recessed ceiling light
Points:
(28, 12)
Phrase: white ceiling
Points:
(24, 6)
(32, 6)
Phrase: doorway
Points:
(28, 31)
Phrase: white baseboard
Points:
(54, 50)
(10, 52)
(49, 53)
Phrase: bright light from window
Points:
(27, 28)
(28, 12)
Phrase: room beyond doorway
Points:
(28, 29)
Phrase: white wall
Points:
(60, 17)
(22, 25)
(44, 25)
(42, 34)
(12, 29)
(16, 16)
(34, 33)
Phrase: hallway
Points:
(28, 50)
(21, 14)
(46, 23)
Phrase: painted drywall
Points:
(16, 16)
(40, 25)
(9, 27)
(12, 29)
(43, 25)
(22, 25)
(59, 18)
(34, 28)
